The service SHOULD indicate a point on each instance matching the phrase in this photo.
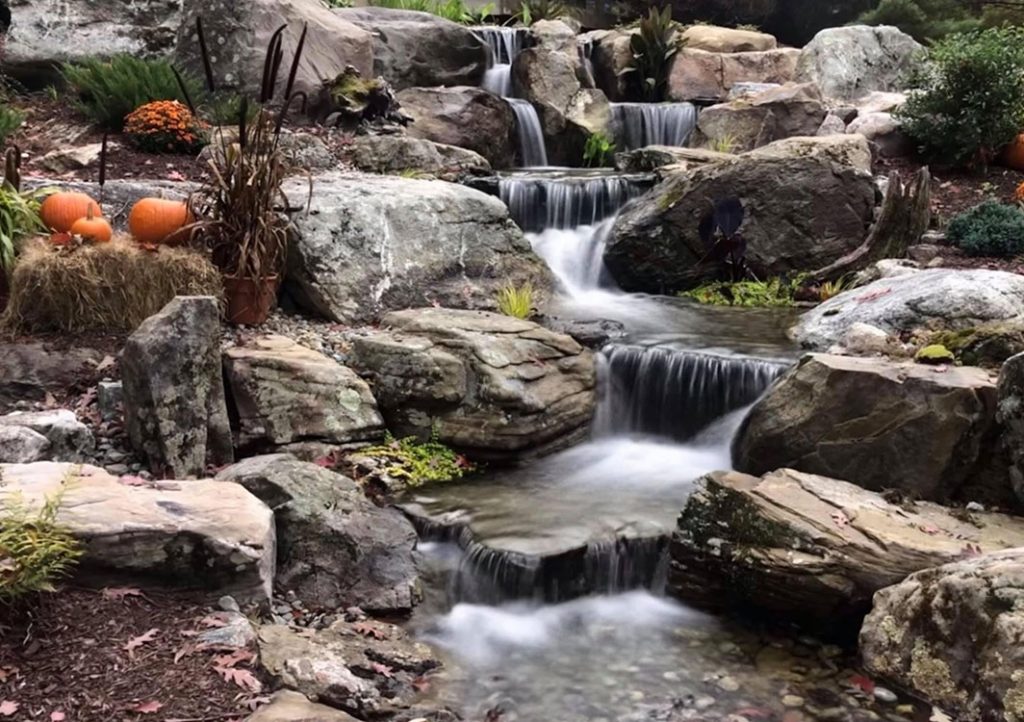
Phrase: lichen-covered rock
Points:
(491, 385)
(877, 423)
(68, 439)
(814, 549)
(413, 48)
(174, 406)
(336, 548)
(196, 534)
(373, 243)
(716, 39)
(396, 154)
(464, 117)
(849, 62)
(783, 112)
(701, 75)
(365, 668)
(987, 344)
(939, 299)
(953, 636)
(238, 31)
(803, 209)
(283, 393)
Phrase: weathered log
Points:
(903, 219)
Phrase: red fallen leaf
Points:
(119, 593)
(150, 707)
(175, 176)
(873, 295)
(132, 644)
(8, 707)
(57, 716)
(186, 650)
(421, 684)
(236, 657)
(369, 630)
(325, 461)
(863, 683)
(212, 621)
(382, 669)
(240, 678)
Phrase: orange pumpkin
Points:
(1013, 154)
(60, 210)
(93, 229)
(156, 220)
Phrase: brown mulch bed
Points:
(68, 660)
(955, 191)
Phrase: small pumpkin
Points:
(1013, 154)
(157, 220)
(60, 210)
(94, 229)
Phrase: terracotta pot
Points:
(1013, 154)
(249, 302)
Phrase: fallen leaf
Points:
(8, 707)
(150, 707)
(240, 678)
(874, 295)
(236, 657)
(175, 176)
(212, 620)
(368, 629)
(119, 593)
(185, 650)
(863, 683)
(132, 644)
(382, 669)
(57, 716)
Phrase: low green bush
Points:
(968, 97)
(107, 90)
(418, 462)
(989, 229)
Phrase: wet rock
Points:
(201, 534)
(69, 439)
(174, 406)
(283, 392)
(413, 49)
(651, 157)
(877, 423)
(464, 117)
(717, 39)
(930, 300)
(20, 445)
(592, 334)
(336, 548)
(376, 243)
(397, 154)
(234, 29)
(491, 385)
(952, 635)
(824, 214)
(851, 62)
(783, 112)
(813, 549)
(365, 668)
(701, 75)
(289, 706)
(28, 371)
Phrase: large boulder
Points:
(803, 209)
(701, 75)
(284, 393)
(850, 62)
(952, 635)
(413, 49)
(814, 549)
(196, 534)
(238, 31)
(933, 300)
(366, 668)
(336, 548)
(717, 39)
(174, 406)
(877, 423)
(491, 385)
(465, 117)
(42, 34)
(610, 57)
(783, 112)
(398, 153)
(555, 82)
(372, 243)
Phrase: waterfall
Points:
(532, 152)
(642, 124)
(538, 202)
(675, 393)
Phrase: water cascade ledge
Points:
(638, 125)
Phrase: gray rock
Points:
(1011, 417)
(20, 445)
(832, 125)
(199, 534)
(375, 243)
(397, 154)
(109, 398)
(952, 636)
(174, 406)
(491, 385)
(935, 299)
(45, 33)
(824, 214)
(652, 157)
(69, 439)
(283, 392)
(28, 371)
(813, 549)
(289, 706)
(883, 130)
(413, 49)
(873, 422)
(557, 35)
(783, 112)
(702, 75)
(238, 31)
(610, 56)
(234, 631)
(339, 666)
(849, 62)
(336, 548)
(464, 117)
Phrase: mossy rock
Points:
(935, 354)
(987, 345)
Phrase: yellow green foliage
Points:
(418, 462)
(516, 301)
(774, 292)
(934, 354)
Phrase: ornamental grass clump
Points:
(516, 301)
(165, 126)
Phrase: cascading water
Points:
(642, 124)
(532, 153)
(540, 202)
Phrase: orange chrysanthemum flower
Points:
(165, 126)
